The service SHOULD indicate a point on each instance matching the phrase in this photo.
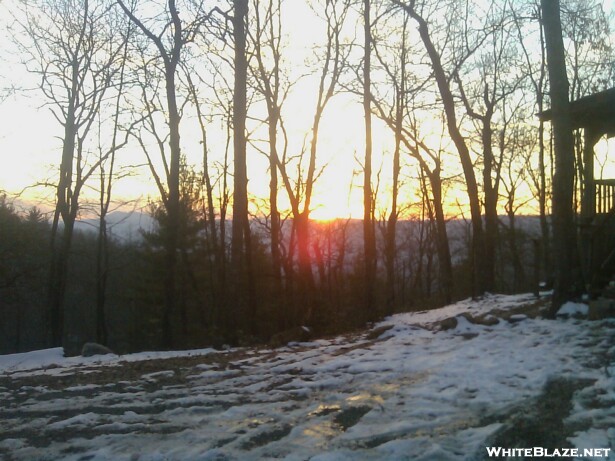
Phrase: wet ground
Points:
(403, 393)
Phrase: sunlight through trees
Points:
(313, 164)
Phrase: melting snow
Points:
(571, 309)
(417, 392)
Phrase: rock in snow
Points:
(91, 349)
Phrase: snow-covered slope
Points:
(415, 391)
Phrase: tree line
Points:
(455, 85)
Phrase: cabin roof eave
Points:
(596, 111)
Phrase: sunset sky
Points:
(30, 144)
(30, 141)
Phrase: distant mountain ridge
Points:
(125, 225)
(128, 226)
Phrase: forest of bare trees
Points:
(464, 190)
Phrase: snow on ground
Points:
(423, 390)
(571, 309)
(52, 361)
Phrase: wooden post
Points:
(588, 201)
(588, 205)
(536, 267)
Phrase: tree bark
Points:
(60, 250)
(391, 228)
(240, 237)
(565, 254)
(491, 202)
(240, 182)
(369, 236)
(444, 253)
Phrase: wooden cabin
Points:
(595, 115)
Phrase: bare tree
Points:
(169, 43)
(369, 236)
(241, 257)
(107, 176)
(537, 78)
(266, 36)
(394, 117)
(564, 240)
(589, 54)
(520, 142)
(300, 193)
(430, 162)
(214, 241)
(443, 81)
(71, 47)
(492, 91)
(402, 116)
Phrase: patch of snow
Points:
(52, 361)
(465, 326)
(78, 420)
(517, 317)
(158, 374)
(12, 444)
(34, 359)
(571, 309)
(82, 387)
(592, 438)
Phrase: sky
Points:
(30, 143)
(30, 146)
(30, 140)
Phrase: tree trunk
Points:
(491, 202)
(391, 227)
(519, 272)
(102, 275)
(305, 260)
(171, 60)
(270, 88)
(172, 210)
(241, 226)
(369, 237)
(564, 241)
(276, 259)
(209, 211)
(542, 196)
(240, 182)
(60, 250)
(106, 184)
(442, 245)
